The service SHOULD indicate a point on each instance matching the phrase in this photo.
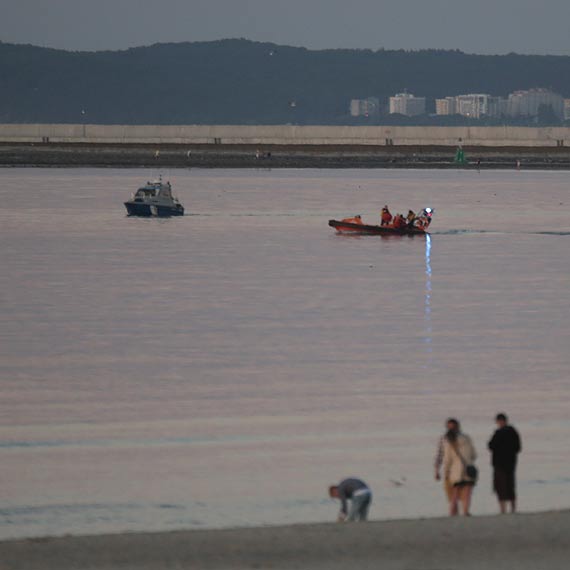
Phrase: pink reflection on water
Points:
(234, 362)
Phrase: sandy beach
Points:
(522, 542)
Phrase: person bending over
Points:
(358, 493)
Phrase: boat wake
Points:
(255, 215)
(461, 232)
(466, 232)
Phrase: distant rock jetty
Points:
(277, 156)
(283, 146)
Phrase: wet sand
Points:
(522, 542)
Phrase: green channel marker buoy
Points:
(460, 156)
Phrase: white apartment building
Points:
(497, 106)
(445, 106)
(567, 109)
(527, 103)
(368, 107)
(407, 104)
(474, 105)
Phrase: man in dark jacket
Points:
(505, 445)
(358, 493)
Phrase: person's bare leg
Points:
(514, 506)
(453, 503)
(503, 507)
(466, 499)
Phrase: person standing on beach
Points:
(505, 445)
(451, 424)
(360, 496)
(458, 468)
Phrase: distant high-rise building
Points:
(445, 106)
(407, 104)
(474, 105)
(368, 107)
(527, 103)
(567, 109)
(497, 107)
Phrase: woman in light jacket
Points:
(458, 452)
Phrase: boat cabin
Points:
(153, 190)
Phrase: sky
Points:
(474, 26)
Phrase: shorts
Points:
(464, 484)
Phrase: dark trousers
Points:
(504, 483)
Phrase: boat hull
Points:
(349, 227)
(153, 210)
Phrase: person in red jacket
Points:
(385, 216)
(399, 222)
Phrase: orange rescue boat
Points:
(355, 225)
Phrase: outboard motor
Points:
(425, 217)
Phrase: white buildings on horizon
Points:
(519, 104)
(445, 106)
(527, 103)
(474, 105)
(368, 107)
(407, 104)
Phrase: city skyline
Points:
(494, 27)
(530, 103)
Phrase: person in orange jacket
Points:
(399, 222)
(385, 216)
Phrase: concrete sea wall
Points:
(286, 135)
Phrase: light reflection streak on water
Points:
(427, 309)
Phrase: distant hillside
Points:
(244, 82)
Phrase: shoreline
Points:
(66, 155)
(524, 541)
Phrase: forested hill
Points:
(244, 82)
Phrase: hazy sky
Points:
(475, 26)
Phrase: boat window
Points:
(146, 192)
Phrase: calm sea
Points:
(222, 369)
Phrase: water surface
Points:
(224, 368)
